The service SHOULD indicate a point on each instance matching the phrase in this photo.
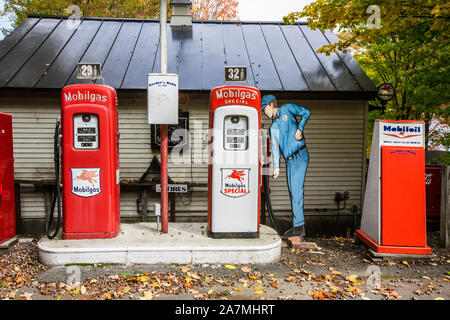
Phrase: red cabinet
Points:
(7, 203)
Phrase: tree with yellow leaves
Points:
(401, 42)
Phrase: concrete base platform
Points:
(8, 243)
(185, 243)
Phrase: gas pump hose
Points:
(269, 203)
(57, 194)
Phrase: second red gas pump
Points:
(90, 162)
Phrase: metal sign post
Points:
(163, 128)
(162, 103)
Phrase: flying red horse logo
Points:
(88, 175)
(237, 174)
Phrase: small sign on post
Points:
(162, 98)
(235, 74)
(174, 188)
(89, 71)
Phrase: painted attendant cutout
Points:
(287, 136)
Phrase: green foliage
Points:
(404, 43)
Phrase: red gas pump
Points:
(90, 162)
(7, 210)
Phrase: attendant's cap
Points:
(265, 100)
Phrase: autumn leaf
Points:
(185, 269)
(253, 277)
(238, 289)
(319, 295)
(393, 295)
(76, 292)
(354, 280)
(153, 284)
(193, 275)
(142, 279)
(259, 292)
(83, 290)
(28, 295)
(354, 290)
(290, 279)
(274, 284)
(246, 269)
(147, 295)
(334, 289)
(187, 285)
(229, 266)
(121, 290)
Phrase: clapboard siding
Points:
(334, 134)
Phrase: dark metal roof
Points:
(43, 52)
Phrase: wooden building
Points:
(40, 57)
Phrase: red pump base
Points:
(90, 235)
(426, 250)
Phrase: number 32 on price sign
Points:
(235, 73)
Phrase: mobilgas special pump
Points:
(86, 143)
(235, 166)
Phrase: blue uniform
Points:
(282, 133)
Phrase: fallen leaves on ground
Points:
(20, 266)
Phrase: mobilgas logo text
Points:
(401, 132)
(86, 181)
(84, 96)
(235, 182)
(86, 190)
(235, 95)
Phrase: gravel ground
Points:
(338, 269)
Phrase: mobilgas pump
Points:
(234, 168)
(89, 163)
